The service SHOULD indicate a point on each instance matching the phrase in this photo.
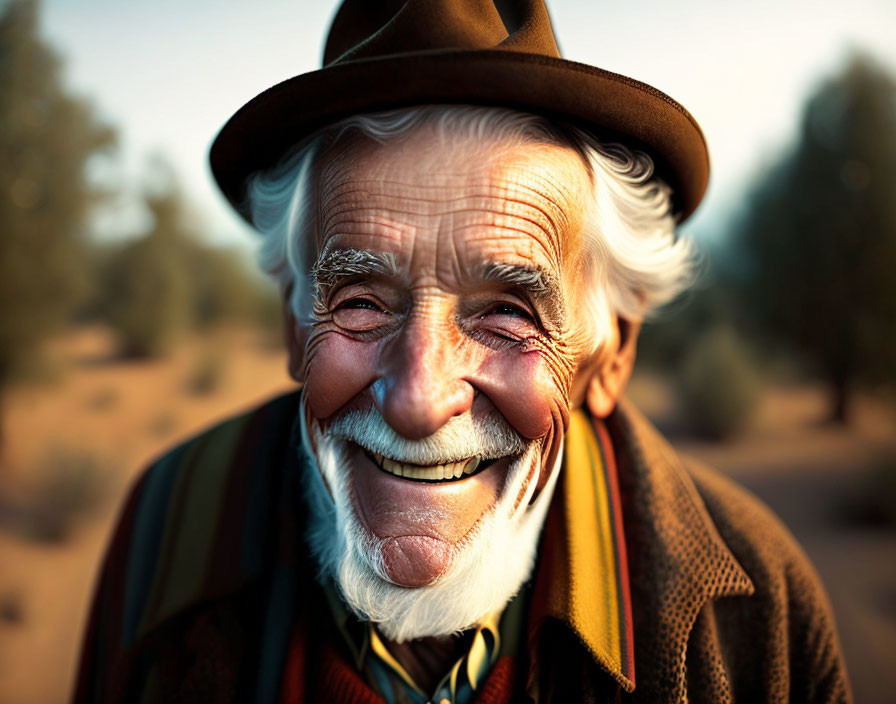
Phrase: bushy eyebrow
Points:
(541, 286)
(336, 265)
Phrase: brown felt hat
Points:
(396, 53)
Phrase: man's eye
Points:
(508, 322)
(509, 310)
(359, 303)
(360, 314)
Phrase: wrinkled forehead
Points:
(530, 195)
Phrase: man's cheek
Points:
(336, 370)
(526, 391)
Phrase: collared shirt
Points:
(394, 684)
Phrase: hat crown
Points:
(389, 54)
(364, 29)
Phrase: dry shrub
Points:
(67, 487)
(164, 423)
(718, 385)
(12, 608)
(103, 400)
(208, 374)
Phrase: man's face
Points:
(446, 292)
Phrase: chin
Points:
(485, 570)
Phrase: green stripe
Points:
(143, 551)
(262, 489)
(192, 523)
(278, 624)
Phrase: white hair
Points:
(633, 263)
(488, 568)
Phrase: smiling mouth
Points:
(436, 473)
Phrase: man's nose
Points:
(421, 385)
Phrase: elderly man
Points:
(455, 507)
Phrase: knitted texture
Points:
(726, 605)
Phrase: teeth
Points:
(450, 470)
(390, 465)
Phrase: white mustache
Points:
(485, 436)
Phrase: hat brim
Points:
(609, 105)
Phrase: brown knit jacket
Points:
(726, 607)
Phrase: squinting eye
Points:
(360, 314)
(357, 303)
(508, 310)
(507, 322)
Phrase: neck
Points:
(428, 660)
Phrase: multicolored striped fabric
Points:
(582, 580)
(222, 514)
(200, 523)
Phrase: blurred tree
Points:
(170, 280)
(820, 232)
(46, 139)
(717, 383)
(223, 286)
(146, 295)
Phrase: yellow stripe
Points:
(455, 671)
(476, 658)
(609, 553)
(491, 625)
(477, 661)
(592, 606)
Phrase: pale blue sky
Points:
(169, 73)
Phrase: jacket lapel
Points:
(678, 561)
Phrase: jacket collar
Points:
(212, 515)
(672, 559)
(677, 559)
(582, 574)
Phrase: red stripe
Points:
(292, 687)
(498, 687)
(621, 554)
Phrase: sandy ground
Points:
(124, 413)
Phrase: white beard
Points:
(496, 559)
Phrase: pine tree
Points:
(821, 234)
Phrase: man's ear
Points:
(295, 336)
(613, 367)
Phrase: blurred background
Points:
(132, 315)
